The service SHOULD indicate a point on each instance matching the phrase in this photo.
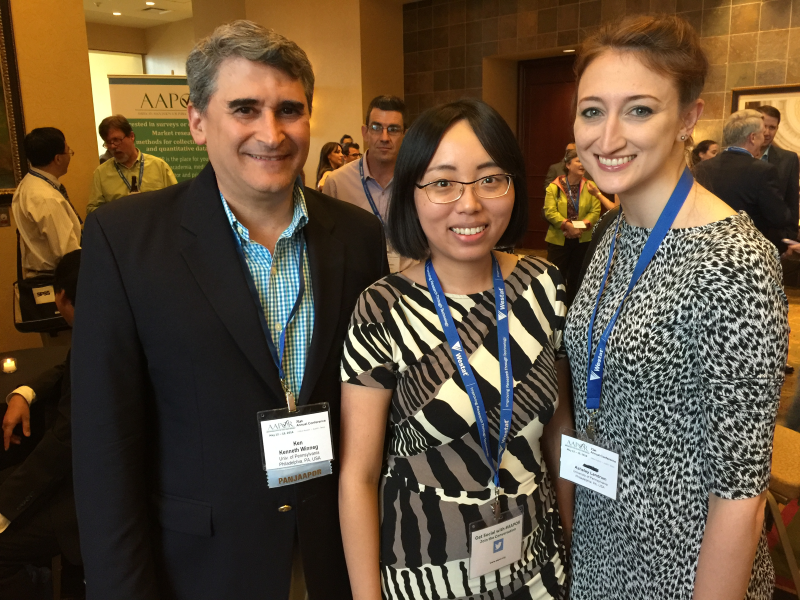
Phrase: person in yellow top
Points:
(572, 207)
(115, 178)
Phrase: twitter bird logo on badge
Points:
(498, 546)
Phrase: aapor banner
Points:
(155, 106)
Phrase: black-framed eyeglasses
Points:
(444, 191)
(113, 143)
(356, 155)
(392, 130)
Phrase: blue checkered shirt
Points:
(277, 280)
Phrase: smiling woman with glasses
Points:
(462, 355)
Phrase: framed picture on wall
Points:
(12, 127)
(786, 98)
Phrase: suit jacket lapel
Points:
(326, 261)
(210, 253)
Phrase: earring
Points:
(683, 138)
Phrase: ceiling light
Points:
(117, 14)
(569, 50)
(150, 3)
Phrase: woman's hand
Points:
(569, 231)
(593, 189)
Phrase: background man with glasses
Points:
(367, 182)
(114, 178)
(47, 222)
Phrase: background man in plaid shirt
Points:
(181, 291)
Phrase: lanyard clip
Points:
(496, 506)
(289, 396)
(590, 429)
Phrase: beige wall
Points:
(381, 50)
(320, 28)
(207, 14)
(56, 91)
(168, 46)
(113, 38)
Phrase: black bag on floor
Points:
(34, 300)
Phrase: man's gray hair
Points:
(740, 125)
(244, 39)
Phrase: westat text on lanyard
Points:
(596, 367)
(122, 175)
(367, 192)
(465, 370)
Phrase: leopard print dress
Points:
(690, 394)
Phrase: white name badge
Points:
(589, 465)
(496, 546)
(578, 224)
(296, 446)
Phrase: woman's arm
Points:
(607, 204)
(551, 213)
(551, 448)
(729, 546)
(364, 415)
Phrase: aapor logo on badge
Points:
(279, 425)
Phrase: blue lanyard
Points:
(575, 201)
(465, 370)
(141, 172)
(277, 353)
(665, 220)
(367, 192)
(738, 150)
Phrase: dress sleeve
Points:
(367, 358)
(742, 347)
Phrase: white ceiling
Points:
(135, 13)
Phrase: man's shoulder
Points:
(782, 154)
(325, 206)
(31, 187)
(152, 158)
(145, 207)
(348, 171)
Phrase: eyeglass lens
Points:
(444, 190)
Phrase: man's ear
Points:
(196, 124)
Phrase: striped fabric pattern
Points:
(277, 281)
(437, 480)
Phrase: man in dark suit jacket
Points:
(744, 182)
(786, 162)
(37, 505)
(171, 361)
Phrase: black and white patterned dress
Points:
(691, 389)
(437, 480)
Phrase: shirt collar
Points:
(138, 158)
(367, 174)
(47, 175)
(765, 155)
(739, 148)
(299, 217)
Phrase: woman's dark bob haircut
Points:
(420, 144)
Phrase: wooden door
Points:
(545, 118)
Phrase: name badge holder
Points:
(590, 463)
(296, 441)
(585, 460)
(296, 445)
(496, 540)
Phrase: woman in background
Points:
(677, 339)
(459, 191)
(703, 151)
(572, 209)
(330, 159)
